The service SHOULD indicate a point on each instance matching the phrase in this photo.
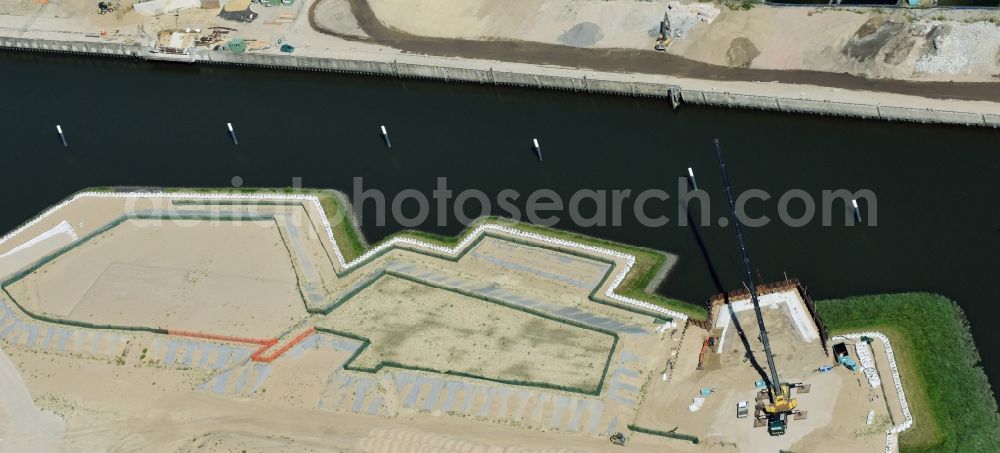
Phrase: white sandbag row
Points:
(610, 293)
(868, 363)
(890, 435)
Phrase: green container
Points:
(237, 45)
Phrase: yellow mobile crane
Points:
(780, 401)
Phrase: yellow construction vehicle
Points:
(664, 38)
(782, 401)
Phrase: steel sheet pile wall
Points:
(593, 83)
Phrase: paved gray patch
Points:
(47, 341)
(625, 371)
(360, 393)
(622, 400)
(295, 352)
(629, 357)
(32, 335)
(311, 285)
(374, 406)
(63, 338)
(113, 344)
(220, 382)
(222, 356)
(574, 420)
(345, 345)
(503, 394)
(240, 354)
(171, 352)
(484, 410)
(596, 409)
(312, 341)
(557, 414)
(627, 387)
(470, 393)
(434, 394)
(536, 414)
(532, 270)
(206, 350)
(612, 426)
(262, 371)
(345, 383)
(97, 342)
(449, 399)
(242, 380)
(6, 330)
(522, 397)
(402, 380)
(411, 398)
(192, 349)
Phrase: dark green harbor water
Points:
(132, 123)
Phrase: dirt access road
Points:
(636, 61)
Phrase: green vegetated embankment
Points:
(953, 406)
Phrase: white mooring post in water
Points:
(61, 136)
(232, 133)
(694, 182)
(385, 136)
(857, 212)
(538, 148)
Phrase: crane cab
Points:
(776, 424)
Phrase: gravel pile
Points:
(963, 48)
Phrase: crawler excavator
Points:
(780, 402)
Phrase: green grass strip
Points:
(950, 398)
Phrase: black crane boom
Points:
(774, 384)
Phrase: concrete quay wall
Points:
(590, 84)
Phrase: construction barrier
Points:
(226, 338)
(670, 434)
(258, 355)
(365, 342)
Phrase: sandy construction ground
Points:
(24, 426)
(576, 23)
(124, 390)
(417, 325)
(837, 403)
(953, 45)
(181, 274)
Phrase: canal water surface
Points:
(131, 123)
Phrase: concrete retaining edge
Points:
(675, 93)
(394, 242)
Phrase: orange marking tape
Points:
(258, 356)
(208, 336)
